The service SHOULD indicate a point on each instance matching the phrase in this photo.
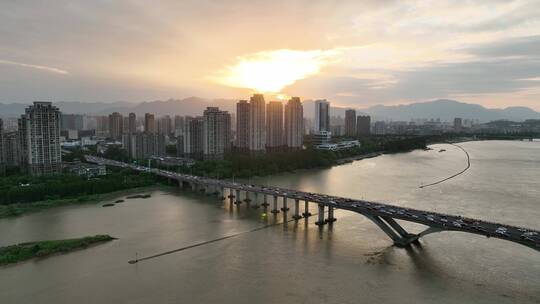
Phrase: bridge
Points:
(383, 215)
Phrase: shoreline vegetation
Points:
(21, 194)
(18, 209)
(41, 249)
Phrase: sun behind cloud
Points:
(271, 71)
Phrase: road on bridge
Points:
(381, 214)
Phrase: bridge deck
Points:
(439, 221)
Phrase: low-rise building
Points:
(85, 169)
(339, 146)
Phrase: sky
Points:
(353, 53)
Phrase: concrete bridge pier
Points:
(284, 208)
(306, 213)
(265, 201)
(274, 207)
(297, 215)
(331, 217)
(321, 220)
(399, 236)
(247, 199)
(231, 196)
(256, 201)
(238, 199)
(221, 193)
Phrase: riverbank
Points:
(345, 160)
(26, 251)
(18, 209)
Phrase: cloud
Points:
(271, 71)
(389, 51)
(35, 66)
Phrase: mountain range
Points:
(444, 109)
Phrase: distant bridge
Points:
(383, 215)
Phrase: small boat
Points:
(442, 150)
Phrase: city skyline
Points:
(347, 54)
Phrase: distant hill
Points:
(447, 110)
(188, 106)
(444, 109)
(69, 107)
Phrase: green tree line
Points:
(26, 189)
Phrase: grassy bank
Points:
(18, 209)
(25, 251)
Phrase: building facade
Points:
(149, 123)
(142, 146)
(132, 123)
(11, 147)
(257, 123)
(72, 122)
(274, 125)
(178, 125)
(39, 138)
(363, 125)
(2, 149)
(164, 125)
(194, 137)
(116, 125)
(379, 128)
(294, 123)
(350, 122)
(242, 125)
(322, 115)
(217, 133)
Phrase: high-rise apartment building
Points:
(149, 123)
(363, 125)
(165, 125)
(132, 123)
(141, 145)
(458, 124)
(257, 128)
(2, 149)
(72, 122)
(178, 125)
(294, 120)
(274, 125)
(379, 128)
(242, 125)
(217, 133)
(194, 136)
(102, 126)
(350, 122)
(322, 115)
(39, 138)
(116, 125)
(11, 149)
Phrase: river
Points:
(350, 262)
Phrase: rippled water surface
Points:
(351, 262)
